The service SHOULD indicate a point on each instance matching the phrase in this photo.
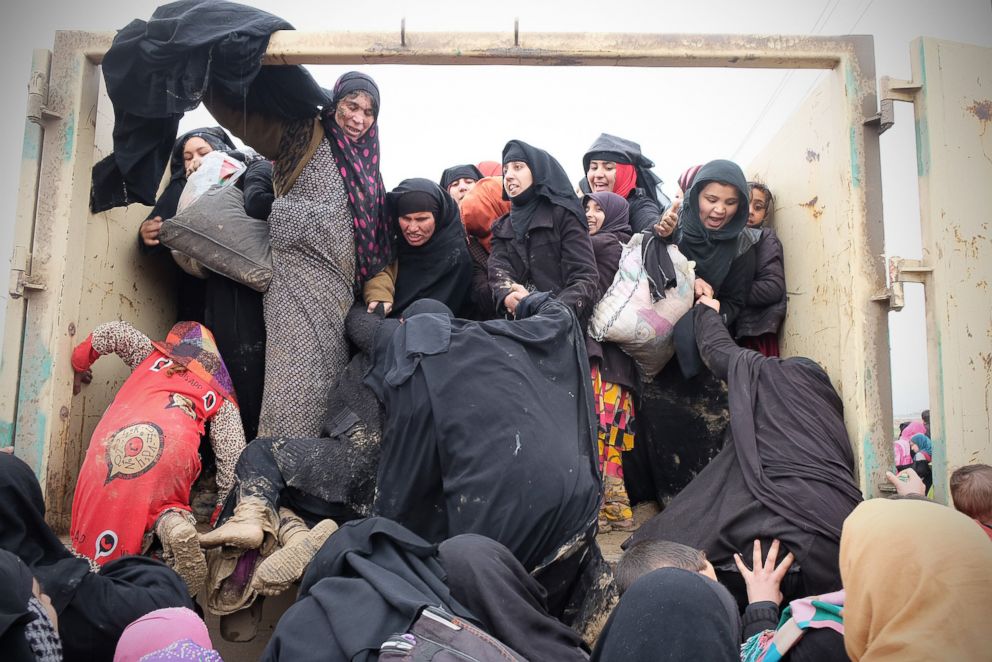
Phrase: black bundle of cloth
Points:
(16, 614)
(370, 580)
(93, 608)
(156, 70)
(440, 269)
(786, 471)
(373, 578)
(489, 427)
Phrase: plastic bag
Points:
(216, 169)
(627, 316)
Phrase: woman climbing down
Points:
(144, 454)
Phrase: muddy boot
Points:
(181, 549)
(616, 507)
(244, 529)
(299, 544)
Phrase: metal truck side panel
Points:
(823, 169)
(953, 114)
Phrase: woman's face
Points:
(602, 175)
(595, 216)
(355, 115)
(193, 152)
(458, 188)
(717, 204)
(417, 228)
(517, 178)
(758, 209)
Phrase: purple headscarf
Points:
(615, 208)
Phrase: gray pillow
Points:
(216, 232)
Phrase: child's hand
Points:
(764, 581)
(907, 482)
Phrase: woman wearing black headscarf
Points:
(459, 180)
(786, 471)
(93, 607)
(432, 258)
(543, 243)
(671, 615)
(232, 311)
(617, 165)
(684, 408)
(329, 236)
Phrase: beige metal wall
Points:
(822, 167)
(93, 272)
(20, 263)
(953, 112)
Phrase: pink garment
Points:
(916, 427)
(900, 448)
(159, 629)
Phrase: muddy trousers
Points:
(321, 478)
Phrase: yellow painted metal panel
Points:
(822, 168)
(27, 195)
(953, 114)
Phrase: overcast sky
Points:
(433, 117)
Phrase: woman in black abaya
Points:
(683, 411)
(93, 607)
(786, 471)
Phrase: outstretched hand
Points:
(907, 482)
(765, 580)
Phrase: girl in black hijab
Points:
(432, 258)
(232, 311)
(543, 243)
(93, 607)
(713, 218)
(614, 376)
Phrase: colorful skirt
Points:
(615, 418)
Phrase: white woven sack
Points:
(626, 315)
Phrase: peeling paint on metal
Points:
(922, 148)
(855, 159)
(869, 463)
(6, 434)
(922, 130)
(69, 143)
(811, 206)
(983, 111)
(36, 372)
(31, 147)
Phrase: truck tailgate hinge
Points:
(892, 90)
(902, 271)
(21, 279)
